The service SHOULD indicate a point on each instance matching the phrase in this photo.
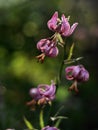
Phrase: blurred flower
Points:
(47, 91)
(49, 128)
(42, 95)
(48, 48)
(62, 25)
(35, 94)
(78, 74)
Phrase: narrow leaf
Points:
(72, 60)
(58, 117)
(59, 120)
(28, 124)
(70, 52)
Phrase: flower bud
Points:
(34, 93)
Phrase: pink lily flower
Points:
(62, 25)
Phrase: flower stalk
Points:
(41, 119)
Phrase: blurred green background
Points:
(22, 24)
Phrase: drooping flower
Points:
(62, 25)
(78, 74)
(48, 48)
(49, 128)
(42, 95)
(47, 91)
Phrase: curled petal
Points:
(51, 90)
(83, 76)
(65, 26)
(68, 72)
(52, 23)
(53, 52)
(86, 77)
(76, 71)
(47, 91)
(43, 88)
(73, 27)
(42, 43)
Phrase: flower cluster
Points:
(60, 27)
(42, 95)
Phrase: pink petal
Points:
(65, 27)
(73, 27)
(52, 23)
(68, 72)
(40, 43)
(53, 52)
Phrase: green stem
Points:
(41, 119)
(62, 64)
(68, 58)
(60, 72)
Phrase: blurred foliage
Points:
(22, 24)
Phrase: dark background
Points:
(22, 24)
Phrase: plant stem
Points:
(41, 119)
(68, 58)
(62, 64)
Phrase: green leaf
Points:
(72, 60)
(59, 118)
(70, 52)
(28, 124)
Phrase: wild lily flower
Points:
(42, 95)
(78, 74)
(47, 91)
(48, 48)
(62, 25)
(49, 128)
